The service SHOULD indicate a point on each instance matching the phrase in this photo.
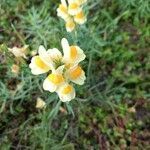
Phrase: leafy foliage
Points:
(111, 110)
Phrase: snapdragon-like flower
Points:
(40, 63)
(40, 103)
(63, 70)
(71, 12)
(19, 52)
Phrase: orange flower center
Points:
(73, 52)
(80, 15)
(74, 74)
(67, 89)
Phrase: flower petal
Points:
(60, 69)
(49, 86)
(38, 66)
(65, 46)
(19, 52)
(45, 57)
(66, 92)
(80, 18)
(63, 2)
(74, 8)
(76, 75)
(81, 2)
(70, 1)
(53, 81)
(70, 25)
(54, 53)
(62, 12)
(74, 55)
(40, 103)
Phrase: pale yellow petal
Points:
(65, 46)
(40, 103)
(81, 2)
(38, 66)
(74, 8)
(63, 2)
(80, 18)
(70, 25)
(76, 75)
(45, 56)
(66, 92)
(53, 81)
(74, 55)
(62, 11)
(19, 52)
(49, 86)
(54, 53)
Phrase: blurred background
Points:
(111, 110)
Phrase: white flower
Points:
(45, 61)
(70, 25)
(76, 75)
(54, 80)
(62, 10)
(40, 103)
(40, 63)
(66, 92)
(80, 18)
(72, 54)
(19, 52)
(74, 8)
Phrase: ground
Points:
(111, 110)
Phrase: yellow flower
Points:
(40, 63)
(70, 25)
(19, 52)
(71, 13)
(66, 92)
(72, 54)
(80, 18)
(76, 75)
(15, 69)
(62, 10)
(40, 103)
(74, 8)
(54, 80)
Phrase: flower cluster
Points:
(72, 13)
(64, 69)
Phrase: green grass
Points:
(116, 42)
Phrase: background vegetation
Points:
(111, 111)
